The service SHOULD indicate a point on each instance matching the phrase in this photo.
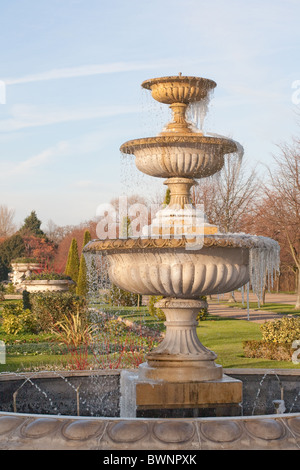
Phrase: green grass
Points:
(284, 309)
(225, 337)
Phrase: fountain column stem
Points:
(181, 356)
(180, 191)
(178, 124)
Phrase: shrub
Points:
(121, 298)
(155, 311)
(2, 291)
(17, 320)
(48, 276)
(268, 350)
(113, 327)
(26, 300)
(282, 331)
(277, 339)
(10, 289)
(203, 312)
(51, 307)
(25, 259)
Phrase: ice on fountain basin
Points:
(264, 252)
(174, 220)
(197, 111)
(128, 381)
(264, 259)
(240, 149)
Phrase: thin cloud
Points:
(24, 116)
(88, 70)
(87, 143)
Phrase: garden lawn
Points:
(284, 309)
(225, 337)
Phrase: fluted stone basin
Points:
(179, 273)
(172, 268)
(179, 89)
(166, 156)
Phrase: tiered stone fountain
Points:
(183, 259)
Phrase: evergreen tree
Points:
(82, 283)
(72, 266)
(13, 247)
(86, 238)
(32, 225)
(167, 197)
(125, 229)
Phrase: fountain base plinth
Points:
(180, 370)
(221, 397)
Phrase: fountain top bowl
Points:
(179, 89)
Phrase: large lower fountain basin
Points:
(180, 274)
(182, 267)
(259, 428)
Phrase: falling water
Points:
(197, 111)
(260, 388)
(264, 258)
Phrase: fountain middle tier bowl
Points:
(165, 156)
(175, 267)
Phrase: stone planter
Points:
(23, 269)
(61, 285)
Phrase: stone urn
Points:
(41, 285)
(22, 270)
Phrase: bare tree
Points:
(7, 226)
(283, 195)
(227, 195)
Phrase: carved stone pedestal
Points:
(180, 377)
(181, 357)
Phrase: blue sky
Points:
(72, 71)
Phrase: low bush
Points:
(155, 311)
(121, 298)
(268, 350)
(282, 331)
(51, 307)
(203, 312)
(48, 276)
(16, 320)
(277, 339)
(25, 259)
(2, 292)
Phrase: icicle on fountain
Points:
(182, 257)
